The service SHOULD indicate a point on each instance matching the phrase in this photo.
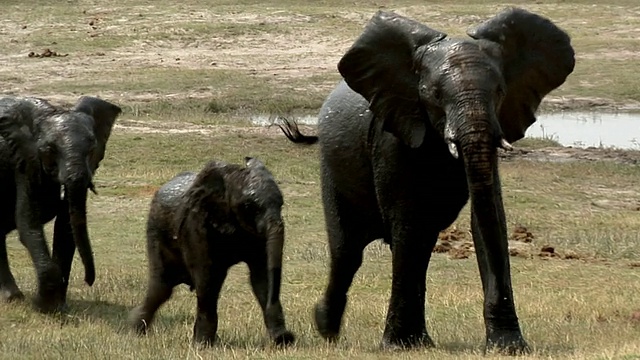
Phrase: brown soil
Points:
(45, 53)
(458, 244)
(567, 154)
(299, 50)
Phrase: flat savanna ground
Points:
(188, 74)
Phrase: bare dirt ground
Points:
(281, 44)
(285, 45)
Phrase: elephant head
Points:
(486, 89)
(258, 208)
(65, 147)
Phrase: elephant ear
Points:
(16, 127)
(381, 67)
(537, 58)
(104, 115)
(205, 204)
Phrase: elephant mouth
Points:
(90, 186)
(451, 139)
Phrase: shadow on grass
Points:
(459, 347)
(97, 311)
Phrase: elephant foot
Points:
(395, 343)
(52, 291)
(10, 294)
(328, 319)
(51, 302)
(50, 307)
(508, 342)
(138, 322)
(204, 331)
(284, 338)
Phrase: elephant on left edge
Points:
(48, 157)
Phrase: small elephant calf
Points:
(199, 226)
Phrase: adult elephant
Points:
(48, 156)
(409, 135)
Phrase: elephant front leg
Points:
(272, 313)
(9, 290)
(208, 284)
(31, 233)
(405, 325)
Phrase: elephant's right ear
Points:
(380, 66)
(104, 116)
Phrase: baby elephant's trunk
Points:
(275, 243)
(274, 315)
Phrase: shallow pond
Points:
(569, 128)
(584, 129)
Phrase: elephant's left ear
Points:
(381, 66)
(104, 115)
(537, 58)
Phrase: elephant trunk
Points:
(76, 194)
(275, 244)
(479, 152)
(273, 313)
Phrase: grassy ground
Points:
(184, 71)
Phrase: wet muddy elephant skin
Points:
(199, 226)
(409, 136)
(48, 158)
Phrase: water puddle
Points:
(585, 129)
(578, 129)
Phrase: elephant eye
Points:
(437, 94)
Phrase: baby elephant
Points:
(199, 226)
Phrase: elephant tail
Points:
(291, 131)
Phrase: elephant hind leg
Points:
(9, 290)
(347, 235)
(158, 292)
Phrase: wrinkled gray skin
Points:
(199, 226)
(409, 136)
(48, 156)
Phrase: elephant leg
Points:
(31, 234)
(405, 324)
(208, 283)
(501, 322)
(9, 290)
(347, 240)
(47, 299)
(273, 314)
(63, 250)
(158, 292)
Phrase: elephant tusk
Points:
(453, 149)
(505, 145)
(61, 192)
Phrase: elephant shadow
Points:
(461, 347)
(114, 314)
(81, 310)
